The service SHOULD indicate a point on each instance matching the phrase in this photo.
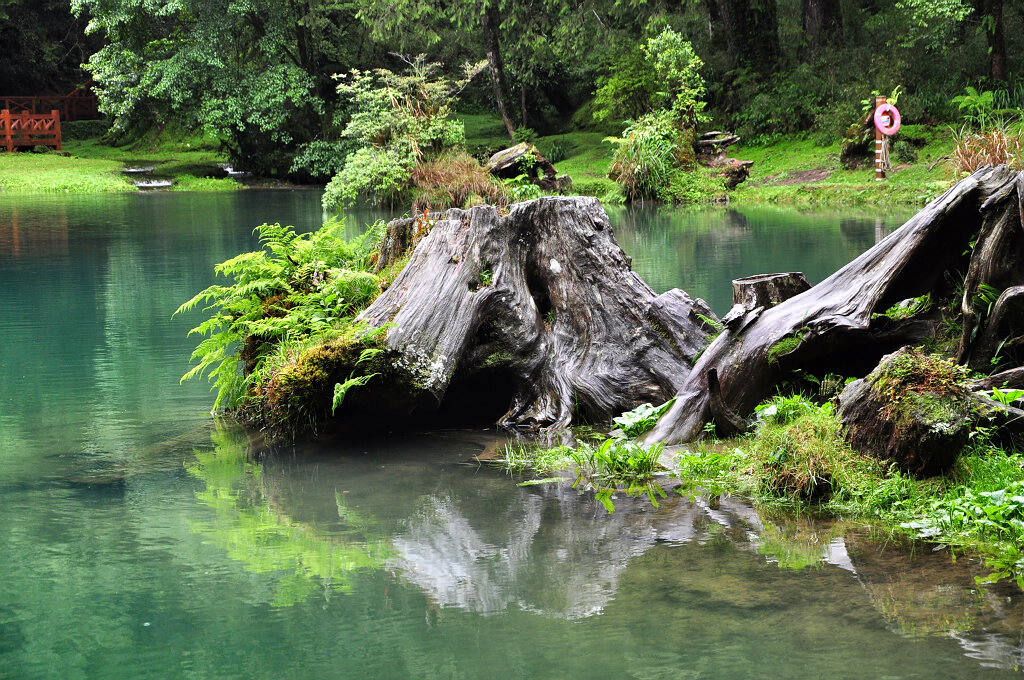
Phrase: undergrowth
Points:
(282, 325)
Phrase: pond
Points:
(142, 539)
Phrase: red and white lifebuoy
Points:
(887, 119)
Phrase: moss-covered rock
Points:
(913, 409)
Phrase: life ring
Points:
(890, 126)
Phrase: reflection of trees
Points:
(702, 249)
(250, 526)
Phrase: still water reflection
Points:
(141, 540)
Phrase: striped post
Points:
(879, 142)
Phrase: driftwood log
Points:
(711, 150)
(525, 159)
(839, 325)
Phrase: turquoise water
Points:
(141, 539)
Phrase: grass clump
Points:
(799, 453)
(453, 179)
(996, 145)
(188, 182)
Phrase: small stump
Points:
(914, 410)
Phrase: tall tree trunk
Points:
(522, 104)
(751, 32)
(489, 24)
(822, 22)
(995, 32)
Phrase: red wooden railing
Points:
(80, 104)
(29, 129)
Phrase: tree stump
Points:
(537, 307)
(912, 410)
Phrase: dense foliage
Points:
(258, 74)
(298, 291)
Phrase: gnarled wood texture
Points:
(832, 324)
(541, 300)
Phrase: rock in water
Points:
(914, 410)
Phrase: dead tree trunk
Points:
(540, 304)
(836, 324)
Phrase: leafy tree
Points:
(398, 122)
(254, 72)
(663, 73)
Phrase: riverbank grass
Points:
(88, 164)
(53, 172)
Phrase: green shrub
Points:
(903, 152)
(649, 154)
(322, 159)
(84, 129)
(399, 121)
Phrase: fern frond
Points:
(211, 293)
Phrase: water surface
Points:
(143, 540)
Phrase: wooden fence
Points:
(29, 129)
(79, 104)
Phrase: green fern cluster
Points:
(297, 291)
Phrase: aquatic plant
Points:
(634, 423)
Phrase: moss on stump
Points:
(913, 409)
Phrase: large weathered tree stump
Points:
(537, 309)
(538, 306)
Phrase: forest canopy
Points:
(259, 74)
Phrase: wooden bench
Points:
(29, 129)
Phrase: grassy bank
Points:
(798, 462)
(87, 164)
(797, 171)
